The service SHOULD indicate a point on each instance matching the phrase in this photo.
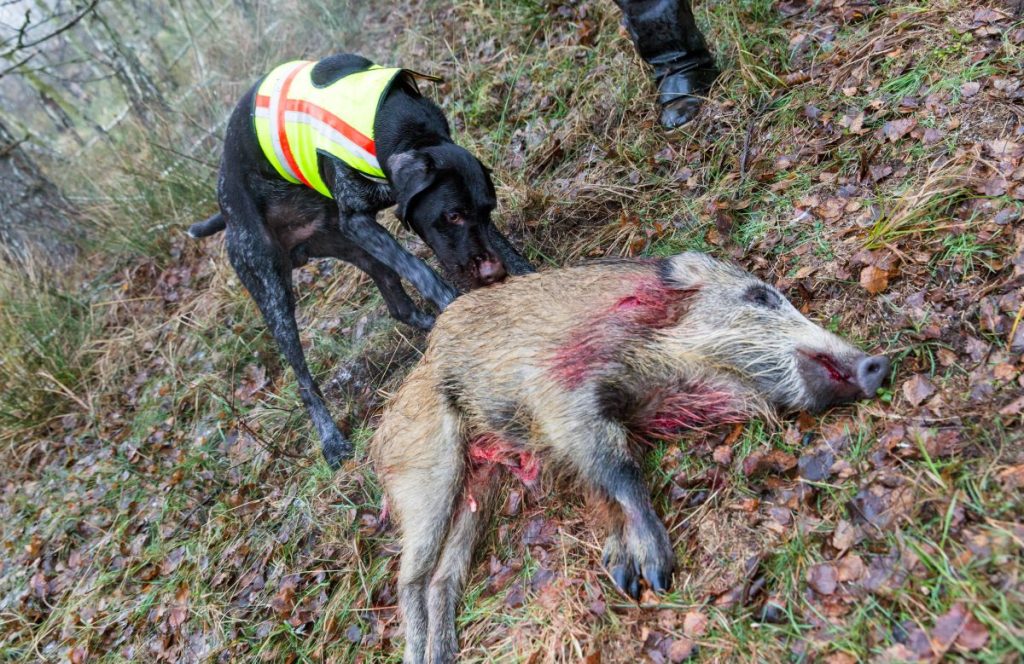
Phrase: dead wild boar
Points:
(561, 372)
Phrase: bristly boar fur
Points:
(556, 371)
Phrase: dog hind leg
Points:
(265, 271)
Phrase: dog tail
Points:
(211, 226)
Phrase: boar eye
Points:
(761, 296)
(454, 218)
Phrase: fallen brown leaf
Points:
(34, 547)
(680, 650)
(775, 461)
(851, 568)
(974, 634)
(823, 578)
(884, 500)
(840, 658)
(695, 624)
(1012, 478)
(284, 601)
(897, 129)
(918, 389)
(722, 455)
(994, 185)
(40, 588)
(844, 536)
(970, 88)
(874, 280)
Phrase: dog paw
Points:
(420, 320)
(337, 450)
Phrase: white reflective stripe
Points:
(333, 135)
(275, 135)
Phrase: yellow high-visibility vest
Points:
(296, 120)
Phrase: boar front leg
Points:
(638, 545)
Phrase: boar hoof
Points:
(621, 566)
(627, 568)
(652, 555)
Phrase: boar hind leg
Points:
(423, 494)
(445, 592)
(638, 545)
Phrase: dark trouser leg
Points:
(667, 38)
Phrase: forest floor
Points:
(163, 495)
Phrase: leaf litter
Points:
(880, 189)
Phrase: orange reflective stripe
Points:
(352, 138)
(282, 133)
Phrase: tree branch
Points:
(21, 44)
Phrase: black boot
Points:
(666, 36)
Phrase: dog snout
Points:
(490, 270)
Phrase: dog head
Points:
(445, 195)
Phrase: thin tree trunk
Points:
(35, 219)
(139, 87)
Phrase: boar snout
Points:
(871, 372)
(830, 380)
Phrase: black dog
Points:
(443, 193)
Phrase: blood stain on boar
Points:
(652, 305)
(690, 407)
(489, 452)
(669, 412)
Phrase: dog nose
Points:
(490, 271)
(871, 371)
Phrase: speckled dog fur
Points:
(443, 193)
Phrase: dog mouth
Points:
(478, 273)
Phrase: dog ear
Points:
(489, 181)
(411, 173)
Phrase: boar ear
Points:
(686, 271)
(410, 173)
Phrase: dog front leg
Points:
(513, 261)
(400, 305)
(363, 230)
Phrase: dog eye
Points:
(761, 296)
(454, 218)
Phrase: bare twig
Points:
(21, 44)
